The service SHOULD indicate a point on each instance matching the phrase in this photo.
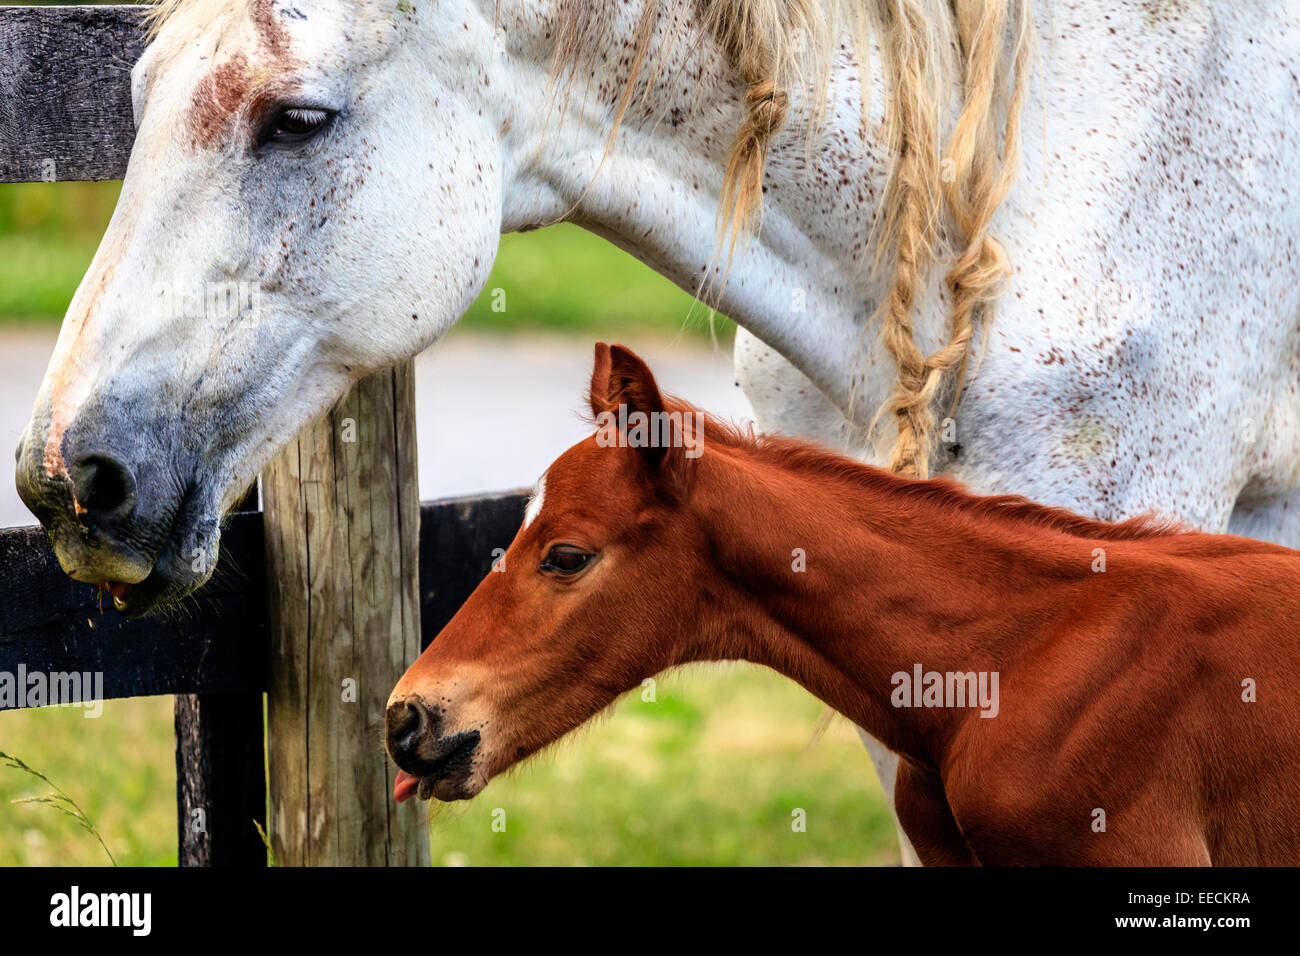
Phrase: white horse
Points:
(347, 166)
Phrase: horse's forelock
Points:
(195, 14)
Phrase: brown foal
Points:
(1060, 691)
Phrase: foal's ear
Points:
(621, 378)
(623, 390)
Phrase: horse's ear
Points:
(600, 381)
(620, 378)
(627, 406)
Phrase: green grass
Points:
(710, 773)
(565, 279)
(48, 235)
(120, 768)
(555, 279)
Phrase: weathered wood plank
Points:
(220, 780)
(65, 91)
(342, 542)
(215, 642)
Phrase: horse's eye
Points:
(295, 124)
(566, 559)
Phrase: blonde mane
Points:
(982, 47)
(931, 47)
(967, 180)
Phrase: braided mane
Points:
(984, 47)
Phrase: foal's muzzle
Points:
(439, 763)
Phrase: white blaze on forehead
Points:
(535, 502)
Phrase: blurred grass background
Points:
(708, 774)
(559, 279)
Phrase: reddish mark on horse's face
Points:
(217, 100)
(229, 91)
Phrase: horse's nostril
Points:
(103, 486)
(406, 721)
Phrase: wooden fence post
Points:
(342, 514)
(220, 780)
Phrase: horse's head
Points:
(601, 588)
(312, 195)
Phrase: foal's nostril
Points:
(102, 486)
(406, 722)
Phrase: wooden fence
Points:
(343, 576)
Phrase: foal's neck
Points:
(844, 578)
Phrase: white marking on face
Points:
(535, 502)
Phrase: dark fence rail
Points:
(65, 91)
(457, 536)
(213, 643)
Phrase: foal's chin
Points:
(451, 790)
(447, 785)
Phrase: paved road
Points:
(492, 412)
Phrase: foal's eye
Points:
(295, 124)
(566, 559)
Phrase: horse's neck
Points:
(842, 588)
(806, 284)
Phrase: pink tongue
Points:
(405, 786)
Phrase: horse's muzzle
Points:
(114, 509)
(441, 763)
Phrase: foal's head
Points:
(604, 585)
